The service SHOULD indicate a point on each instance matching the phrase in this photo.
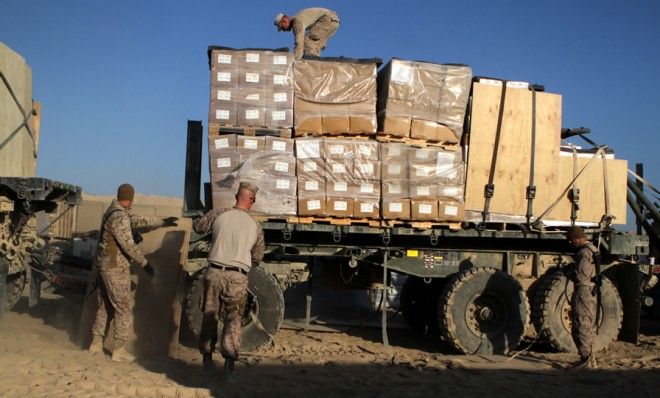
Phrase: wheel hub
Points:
(486, 314)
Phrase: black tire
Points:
(483, 311)
(551, 313)
(265, 301)
(419, 303)
(15, 287)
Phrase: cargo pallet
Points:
(250, 131)
(305, 134)
(339, 221)
(421, 224)
(417, 142)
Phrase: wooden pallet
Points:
(417, 142)
(339, 221)
(335, 136)
(251, 131)
(421, 224)
(279, 219)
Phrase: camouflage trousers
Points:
(318, 35)
(113, 296)
(228, 289)
(584, 318)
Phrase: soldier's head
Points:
(246, 195)
(283, 22)
(576, 236)
(125, 194)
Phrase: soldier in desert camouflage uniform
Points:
(320, 24)
(238, 244)
(116, 250)
(584, 302)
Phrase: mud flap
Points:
(35, 287)
(628, 283)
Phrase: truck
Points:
(481, 288)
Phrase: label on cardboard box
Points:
(336, 149)
(282, 166)
(340, 205)
(394, 169)
(451, 210)
(394, 188)
(423, 190)
(279, 60)
(252, 57)
(249, 144)
(313, 204)
(394, 150)
(451, 192)
(280, 97)
(365, 150)
(221, 143)
(224, 58)
(224, 95)
(252, 97)
(401, 74)
(366, 208)
(310, 166)
(366, 168)
(425, 208)
(311, 185)
(308, 149)
(367, 187)
(224, 76)
(340, 186)
(279, 115)
(422, 154)
(221, 114)
(223, 163)
(396, 207)
(282, 184)
(279, 146)
(251, 114)
(252, 78)
(423, 171)
(338, 168)
(280, 80)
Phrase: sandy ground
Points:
(38, 357)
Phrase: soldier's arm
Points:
(120, 227)
(299, 39)
(204, 225)
(258, 248)
(144, 221)
(585, 267)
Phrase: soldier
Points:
(116, 250)
(238, 244)
(320, 24)
(584, 302)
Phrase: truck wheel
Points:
(419, 303)
(551, 313)
(265, 302)
(483, 311)
(15, 287)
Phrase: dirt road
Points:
(38, 357)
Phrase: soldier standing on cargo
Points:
(320, 24)
(584, 301)
(238, 244)
(116, 250)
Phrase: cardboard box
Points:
(366, 208)
(396, 209)
(335, 119)
(311, 168)
(395, 189)
(279, 145)
(340, 206)
(312, 206)
(423, 190)
(311, 187)
(272, 163)
(278, 118)
(450, 211)
(396, 126)
(432, 131)
(368, 188)
(227, 78)
(274, 204)
(309, 148)
(367, 149)
(224, 162)
(224, 59)
(451, 192)
(423, 210)
(307, 117)
(366, 169)
(251, 116)
(223, 142)
(393, 151)
(394, 170)
(223, 114)
(339, 169)
(338, 149)
(224, 95)
(340, 188)
(249, 144)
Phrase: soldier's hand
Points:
(170, 221)
(137, 238)
(149, 270)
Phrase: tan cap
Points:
(278, 18)
(125, 192)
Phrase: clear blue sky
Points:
(118, 79)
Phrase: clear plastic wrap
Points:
(423, 100)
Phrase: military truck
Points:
(479, 287)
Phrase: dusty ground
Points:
(39, 358)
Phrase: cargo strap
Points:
(645, 182)
(574, 193)
(539, 220)
(531, 188)
(489, 189)
(607, 217)
(24, 123)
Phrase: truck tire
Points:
(15, 287)
(551, 313)
(419, 303)
(483, 311)
(265, 302)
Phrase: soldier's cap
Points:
(249, 186)
(125, 192)
(575, 232)
(278, 18)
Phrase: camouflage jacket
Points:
(116, 246)
(585, 266)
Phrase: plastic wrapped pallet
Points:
(335, 96)
(423, 100)
(250, 88)
(311, 174)
(267, 162)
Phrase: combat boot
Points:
(97, 344)
(209, 365)
(119, 354)
(593, 364)
(229, 365)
